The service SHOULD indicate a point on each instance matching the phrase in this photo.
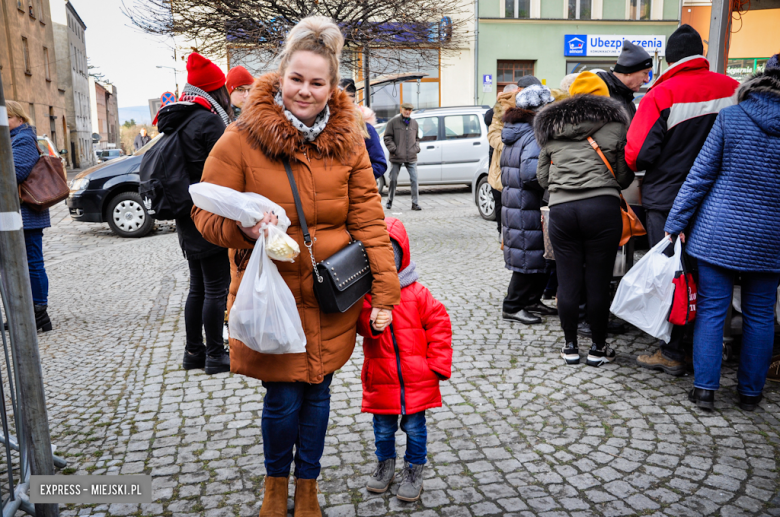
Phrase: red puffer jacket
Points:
(421, 350)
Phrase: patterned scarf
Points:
(309, 133)
(191, 93)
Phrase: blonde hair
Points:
(361, 123)
(317, 34)
(15, 109)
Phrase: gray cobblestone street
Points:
(520, 433)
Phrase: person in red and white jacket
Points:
(402, 369)
(665, 137)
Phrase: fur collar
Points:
(269, 130)
(766, 82)
(518, 115)
(576, 110)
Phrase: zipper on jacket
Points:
(400, 375)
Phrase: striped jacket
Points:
(671, 125)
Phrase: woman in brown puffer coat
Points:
(298, 114)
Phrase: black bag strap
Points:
(307, 241)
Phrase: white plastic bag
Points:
(246, 207)
(264, 316)
(645, 293)
(279, 245)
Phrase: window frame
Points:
(578, 9)
(46, 63)
(26, 56)
(439, 123)
(501, 84)
(639, 10)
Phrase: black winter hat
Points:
(633, 58)
(528, 80)
(684, 42)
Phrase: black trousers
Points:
(497, 199)
(656, 220)
(206, 301)
(524, 290)
(585, 232)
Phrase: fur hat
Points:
(633, 58)
(204, 74)
(589, 83)
(533, 97)
(684, 42)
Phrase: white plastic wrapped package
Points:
(246, 207)
(644, 296)
(264, 316)
(279, 245)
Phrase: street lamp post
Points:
(175, 78)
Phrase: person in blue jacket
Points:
(24, 147)
(729, 208)
(373, 143)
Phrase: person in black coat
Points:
(201, 116)
(521, 200)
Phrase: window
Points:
(639, 9)
(517, 8)
(579, 9)
(428, 128)
(575, 67)
(19, 5)
(511, 71)
(26, 53)
(46, 63)
(461, 126)
(41, 11)
(31, 10)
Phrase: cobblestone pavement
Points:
(520, 433)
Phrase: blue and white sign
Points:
(589, 45)
(487, 83)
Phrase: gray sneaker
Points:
(411, 482)
(382, 477)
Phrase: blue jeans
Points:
(759, 294)
(385, 427)
(394, 170)
(295, 414)
(39, 281)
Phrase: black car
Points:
(108, 193)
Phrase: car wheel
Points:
(380, 184)
(127, 215)
(485, 202)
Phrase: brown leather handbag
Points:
(46, 185)
(632, 226)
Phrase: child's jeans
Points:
(385, 427)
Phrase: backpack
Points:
(165, 182)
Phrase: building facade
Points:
(28, 66)
(73, 74)
(552, 38)
(105, 115)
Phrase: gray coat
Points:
(402, 140)
(568, 166)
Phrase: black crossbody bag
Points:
(344, 278)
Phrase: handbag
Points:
(632, 226)
(344, 278)
(549, 254)
(683, 309)
(46, 185)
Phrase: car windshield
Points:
(148, 145)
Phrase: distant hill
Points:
(138, 113)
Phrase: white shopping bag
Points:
(264, 316)
(246, 207)
(644, 296)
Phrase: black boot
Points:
(748, 402)
(218, 363)
(705, 399)
(42, 321)
(194, 360)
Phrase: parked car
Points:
(109, 154)
(46, 147)
(453, 150)
(108, 192)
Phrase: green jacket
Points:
(402, 140)
(568, 166)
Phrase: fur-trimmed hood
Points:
(517, 115)
(759, 97)
(767, 82)
(268, 129)
(577, 117)
(504, 102)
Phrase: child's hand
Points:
(380, 319)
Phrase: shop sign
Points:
(487, 83)
(587, 45)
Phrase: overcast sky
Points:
(125, 55)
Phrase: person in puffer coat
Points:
(729, 206)
(401, 372)
(521, 200)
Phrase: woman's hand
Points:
(253, 232)
(381, 318)
(682, 236)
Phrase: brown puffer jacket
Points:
(339, 197)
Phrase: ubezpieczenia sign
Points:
(588, 45)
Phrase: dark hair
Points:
(222, 96)
(348, 85)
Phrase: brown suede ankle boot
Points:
(306, 503)
(275, 498)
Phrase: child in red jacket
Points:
(401, 372)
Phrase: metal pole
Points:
(366, 78)
(21, 320)
(476, 52)
(719, 28)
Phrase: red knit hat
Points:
(204, 74)
(238, 76)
